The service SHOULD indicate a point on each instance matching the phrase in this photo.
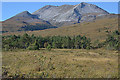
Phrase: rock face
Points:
(70, 13)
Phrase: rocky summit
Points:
(70, 13)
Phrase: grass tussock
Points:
(60, 63)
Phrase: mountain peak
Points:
(82, 3)
(48, 6)
(69, 13)
(26, 14)
(23, 14)
(85, 8)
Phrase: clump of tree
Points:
(112, 42)
(36, 27)
(36, 42)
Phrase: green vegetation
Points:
(35, 43)
(62, 42)
(36, 27)
(112, 42)
(49, 47)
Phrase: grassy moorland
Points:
(60, 63)
(59, 57)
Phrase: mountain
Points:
(69, 14)
(53, 17)
(97, 30)
(25, 21)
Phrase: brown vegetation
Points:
(61, 63)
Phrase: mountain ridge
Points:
(51, 16)
(69, 13)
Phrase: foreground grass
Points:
(60, 63)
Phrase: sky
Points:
(10, 9)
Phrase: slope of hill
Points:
(96, 30)
(69, 14)
(25, 22)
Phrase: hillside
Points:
(25, 21)
(96, 30)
